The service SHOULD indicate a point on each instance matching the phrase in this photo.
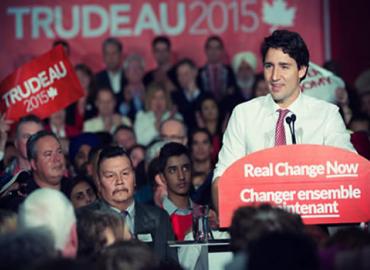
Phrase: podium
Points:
(323, 184)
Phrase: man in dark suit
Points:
(117, 185)
(113, 76)
(215, 76)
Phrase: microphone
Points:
(290, 120)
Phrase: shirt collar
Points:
(171, 208)
(295, 107)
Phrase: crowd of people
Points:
(107, 182)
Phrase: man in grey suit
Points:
(117, 185)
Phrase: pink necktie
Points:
(280, 131)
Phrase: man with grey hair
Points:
(47, 162)
(132, 100)
(51, 209)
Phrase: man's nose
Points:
(275, 74)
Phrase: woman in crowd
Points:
(84, 108)
(158, 108)
(208, 117)
(81, 191)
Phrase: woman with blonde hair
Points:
(158, 108)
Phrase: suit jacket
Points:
(103, 81)
(148, 220)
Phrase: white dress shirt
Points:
(252, 127)
(115, 81)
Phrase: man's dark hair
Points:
(113, 41)
(91, 227)
(123, 127)
(32, 141)
(133, 255)
(199, 130)
(186, 61)
(250, 223)
(169, 150)
(213, 38)
(26, 119)
(283, 250)
(289, 42)
(23, 249)
(111, 152)
(161, 39)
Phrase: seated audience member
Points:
(260, 87)
(57, 125)
(201, 149)
(79, 149)
(84, 108)
(112, 77)
(158, 108)
(51, 209)
(175, 172)
(165, 72)
(189, 92)
(283, 250)
(250, 223)
(244, 65)
(117, 184)
(173, 130)
(345, 243)
(10, 154)
(215, 77)
(25, 248)
(26, 126)
(81, 191)
(47, 161)
(360, 123)
(365, 103)
(92, 166)
(133, 255)
(125, 137)
(209, 117)
(132, 100)
(360, 138)
(98, 229)
(8, 222)
(106, 120)
(155, 189)
(137, 155)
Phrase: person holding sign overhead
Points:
(285, 115)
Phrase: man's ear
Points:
(302, 71)
(160, 180)
(33, 164)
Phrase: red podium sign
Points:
(323, 184)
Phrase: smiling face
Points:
(177, 175)
(282, 76)
(117, 181)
